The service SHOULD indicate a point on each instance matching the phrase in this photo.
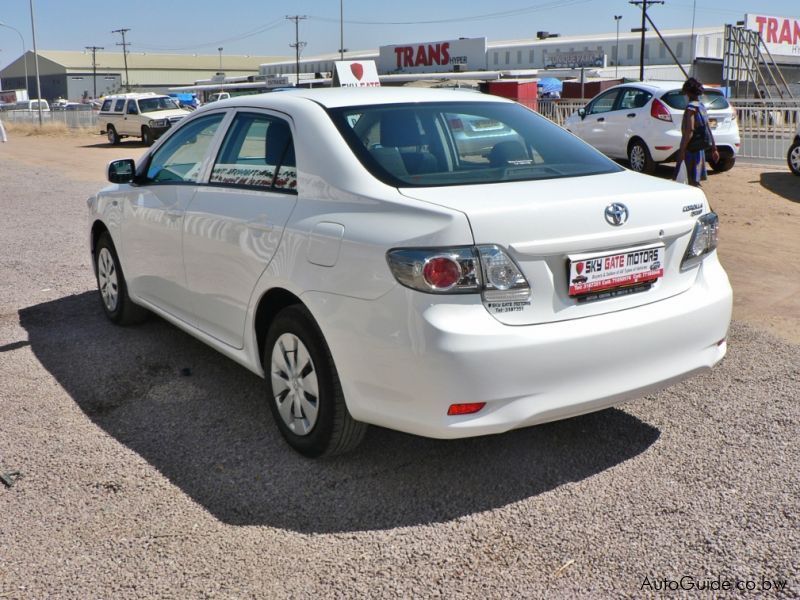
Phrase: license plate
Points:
(590, 273)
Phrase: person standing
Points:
(696, 136)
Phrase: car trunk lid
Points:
(549, 226)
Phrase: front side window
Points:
(258, 152)
(180, 158)
(463, 143)
(132, 110)
(603, 103)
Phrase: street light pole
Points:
(24, 51)
(341, 29)
(220, 58)
(616, 51)
(36, 65)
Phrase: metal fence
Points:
(767, 127)
(74, 119)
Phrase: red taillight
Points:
(441, 272)
(659, 111)
(465, 409)
(456, 124)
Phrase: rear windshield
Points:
(147, 105)
(711, 100)
(462, 143)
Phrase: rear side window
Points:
(633, 98)
(106, 105)
(118, 106)
(463, 143)
(712, 100)
(258, 152)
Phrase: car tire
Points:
(639, 158)
(793, 158)
(117, 305)
(303, 389)
(725, 163)
(147, 136)
(113, 136)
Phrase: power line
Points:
(124, 45)
(217, 43)
(297, 43)
(94, 50)
(482, 17)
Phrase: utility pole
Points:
(220, 49)
(36, 65)
(124, 45)
(644, 4)
(616, 51)
(94, 50)
(297, 43)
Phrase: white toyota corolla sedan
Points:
(351, 248)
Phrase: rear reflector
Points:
(465, 409)
(663, 147)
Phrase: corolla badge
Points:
(616, 214)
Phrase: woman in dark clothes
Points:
(695, 117)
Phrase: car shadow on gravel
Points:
(201, 420)
(786, 185)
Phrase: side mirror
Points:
(121, 171)
(582, 113)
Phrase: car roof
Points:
(340, 97)
(662, 86)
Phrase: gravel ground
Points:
(151, 469)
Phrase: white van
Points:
(146, 115)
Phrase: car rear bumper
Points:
(403, 360)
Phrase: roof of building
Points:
(82, 59)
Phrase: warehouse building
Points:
(70, 75)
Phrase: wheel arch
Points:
(269, 305)
(638, 138)
(98, 229)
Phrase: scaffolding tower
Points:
(744, 64)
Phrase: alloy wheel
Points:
(794, 159)
(294, 384)
(637, 158)
(107, 279)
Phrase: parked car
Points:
(340, 244)
(31, 106)
(641, 123)
(793, 157)
(144, 115)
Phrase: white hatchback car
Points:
(641, 123)
(343, 245)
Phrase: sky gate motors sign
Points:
(467, 54)
(780, 34)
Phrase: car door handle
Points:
(631, 115)
(601, 119)
(174, 213)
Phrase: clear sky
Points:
(260, 26)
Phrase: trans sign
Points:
(780, 34)
(467, 54)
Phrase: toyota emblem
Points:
(616, 214)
